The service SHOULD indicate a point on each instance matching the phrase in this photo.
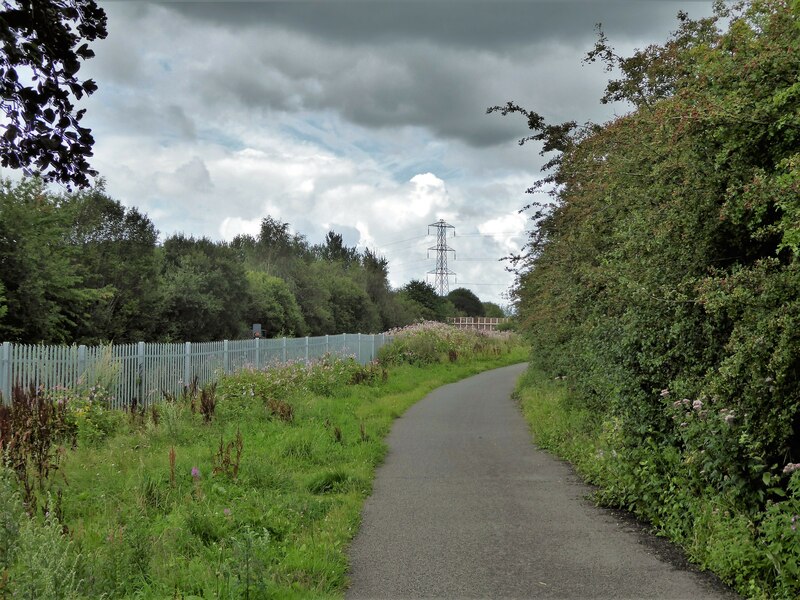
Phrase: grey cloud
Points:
(447, 22)
(387, 65)
(194, 176)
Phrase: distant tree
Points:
(432, 306)
(313, 296)
(47, 299)
(335, 250)
(466, 302)
(490, 309)
(205, 290)
(274, 306)
(421, 292)
(352, 310)
(116, 255)
(39, 62)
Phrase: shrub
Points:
(46, 563)
(433, 342)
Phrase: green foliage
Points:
(490, 309)
(204, 288)
(92, 417)
(82, 268)
(248, 503)
(11, 518)
(663, 283)
(46, 299)
(274, 306)
(116, 250)
(432, 342)
(45, 42)
(466, 303)
(46, 563)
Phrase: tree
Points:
(39, 63)
(205, 290)
(47, 299)
(335, 250)
(431, 305)
(117, 254)
(466, 302)
(274, 306)
(490, 309)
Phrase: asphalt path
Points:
(465, 506)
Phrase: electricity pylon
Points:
(441, 272)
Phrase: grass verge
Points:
(251, 490)
(757, 553)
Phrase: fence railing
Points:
(141, 373)
(480, 323)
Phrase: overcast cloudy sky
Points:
(366, 117)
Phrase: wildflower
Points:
(791, 468)
(227, 512)
(697, 404)
(664, 393)
(195, 473)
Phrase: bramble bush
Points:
(663, 281)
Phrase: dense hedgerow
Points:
(663, 282)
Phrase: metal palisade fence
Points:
(141, 373)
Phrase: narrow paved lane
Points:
(466, 507)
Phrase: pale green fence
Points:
(141, 373)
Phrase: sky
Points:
(363, 117)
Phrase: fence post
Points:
(359, 350)
(82, 374)
(306, 349)
(225, 358)
(187, 364)
(327, 344)
(140, 371)
(374, 350)
(5, 373)
(258, 355)
(284, 349)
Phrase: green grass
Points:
(758, 554)
(279, 528)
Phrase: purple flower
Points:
(697, 404)
(195, 473)
(791, 468)
(227, 512)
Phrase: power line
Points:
(419, 237)
(490, 234)
(478, 259)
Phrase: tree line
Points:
(663, 278)
(79, 267)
